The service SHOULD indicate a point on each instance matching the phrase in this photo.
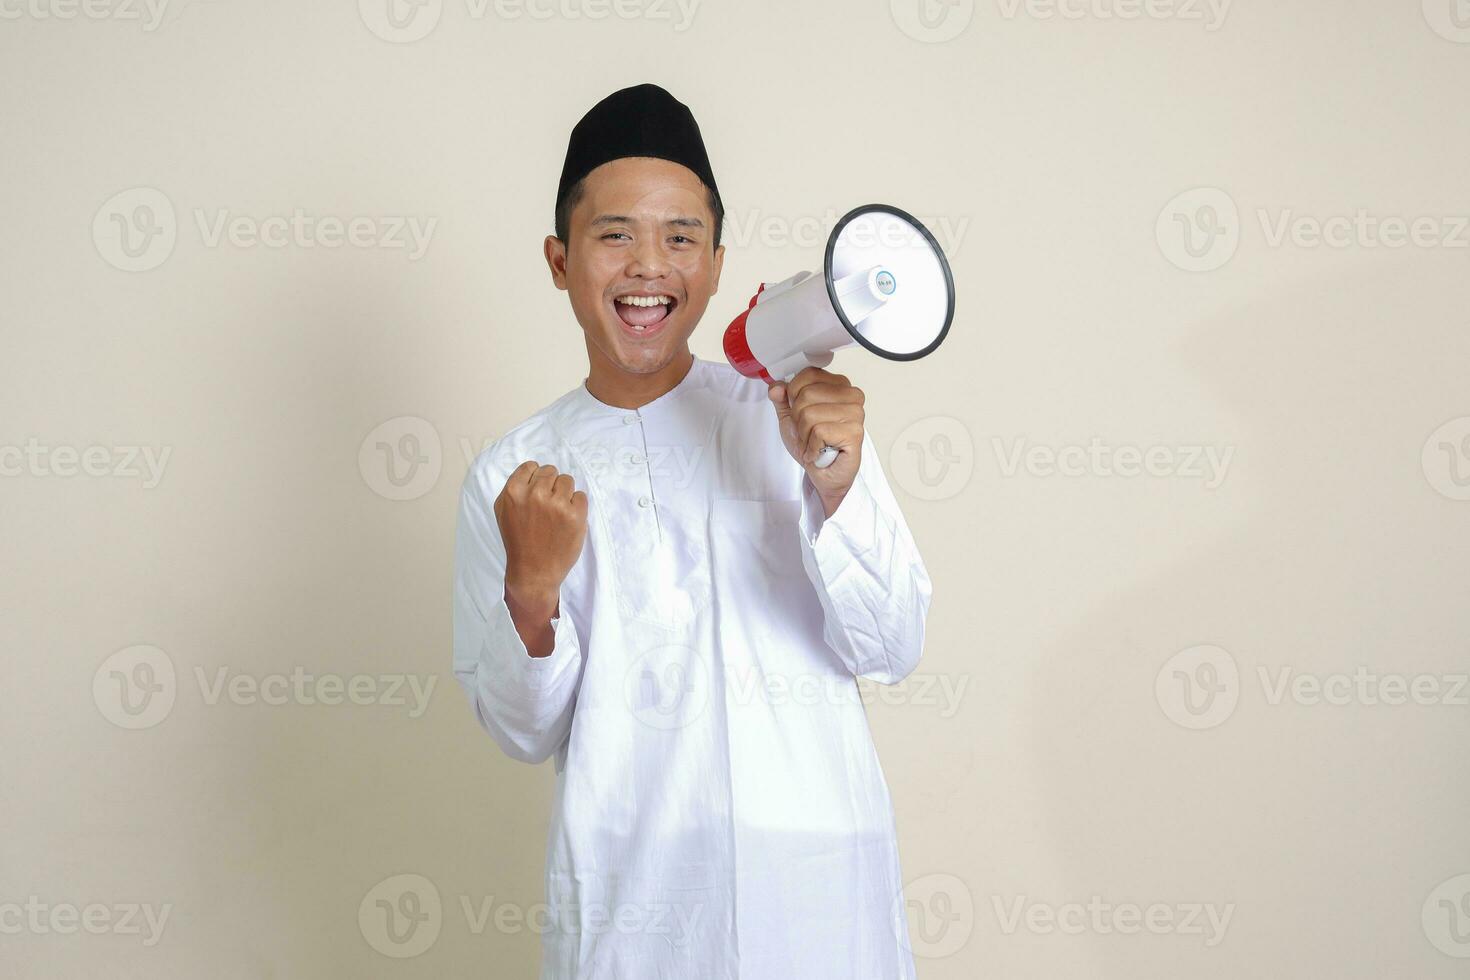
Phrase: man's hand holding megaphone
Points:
(817, 408)
(884, 284)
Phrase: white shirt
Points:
(720, 812)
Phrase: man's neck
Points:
(613, 386)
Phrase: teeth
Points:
(645, 300)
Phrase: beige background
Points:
(1054, 150)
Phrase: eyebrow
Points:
(623, 219)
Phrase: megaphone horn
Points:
(884, 284)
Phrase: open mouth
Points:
(642, 313)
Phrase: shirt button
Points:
(629, 419)
(644, 501)
(638, 458)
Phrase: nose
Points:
(647, 259)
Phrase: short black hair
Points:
(574, 194)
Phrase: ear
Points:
(719, 264)
(556, 259)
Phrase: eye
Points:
(615, 234)
(682, 240)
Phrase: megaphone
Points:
(884, 284)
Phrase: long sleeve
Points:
(868, 574)
(524, 702)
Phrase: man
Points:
(655, 586)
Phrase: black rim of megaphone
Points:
(832, 292)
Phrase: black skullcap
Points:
(642, 121)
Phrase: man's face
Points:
(638, 264)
